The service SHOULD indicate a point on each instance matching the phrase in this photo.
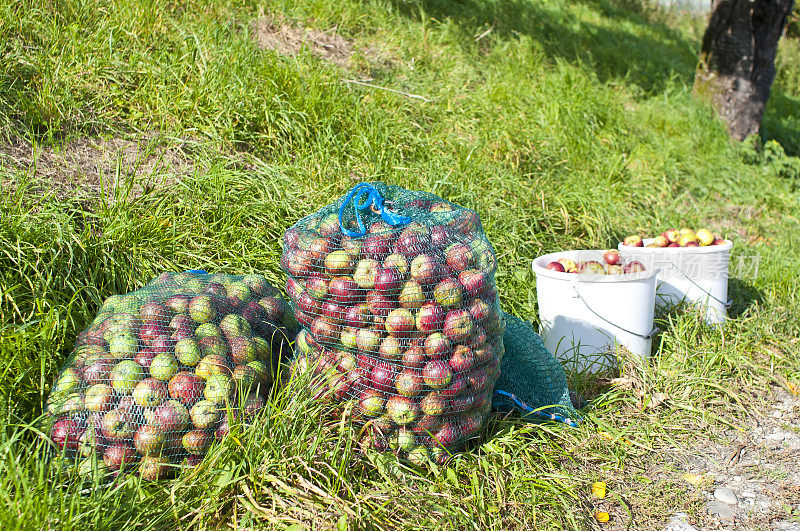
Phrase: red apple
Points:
(171, 416)
(383, 376)
(399, 322)
(344, 290)
(437, 345)
(425, 269)
(119, 456)
(380, 304)
(358, 316)
(671, 235)
(66, 433)
(634, 267)
(633, 241)
(661, 241)
(317, 287)
(334, 311)
(474, 281)
(447, 435)
(98, 372)
(414, 357)
(455, 388)
(611, 257)
(151, 330)
(186, 387)
(462, 359)
(437, 374)
(478, 379)
(388, 281)
(409, 383)
(430, 318)
(459, 257)
(308, 304)
(325, 330)
(155, 311)
(299, 263)
(458, 325)
(555, 266)
(377, 246)
(149, 439)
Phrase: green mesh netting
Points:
(395, 290)
(162, 371)
(532, 380)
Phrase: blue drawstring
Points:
(372, 199)
(536, 412)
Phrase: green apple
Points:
(150, 392)
(68, 382)
(263, 372)
(125, 375)
(188, 352)
(201, 309)
(240, 290)
(99, 397)
(263, 350)
(164, 366)
(205, 414)
(212, 364)
(219, 388)
(123, 346)
(235, 325)
(208, 330)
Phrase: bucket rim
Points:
(573, 277)
(708, 249)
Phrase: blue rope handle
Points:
(363, 196)
(537, 412)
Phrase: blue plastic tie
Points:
(196, 271)
(364, 196)
(537, 412)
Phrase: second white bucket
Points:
(584, 317)
(695, 275)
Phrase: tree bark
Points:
(737, 60)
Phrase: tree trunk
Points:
(737, 60)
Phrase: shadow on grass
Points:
(782, 121)
(628, 47)
(743, 296)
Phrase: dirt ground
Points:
(88, 168)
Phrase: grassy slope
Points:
(564, 126)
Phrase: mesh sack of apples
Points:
(396, 295)
(162, 372)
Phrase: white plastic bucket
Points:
(584, 317)
(695, 275)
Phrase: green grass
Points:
(566, 125)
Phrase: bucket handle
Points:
(727, 304)
(650, 335)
